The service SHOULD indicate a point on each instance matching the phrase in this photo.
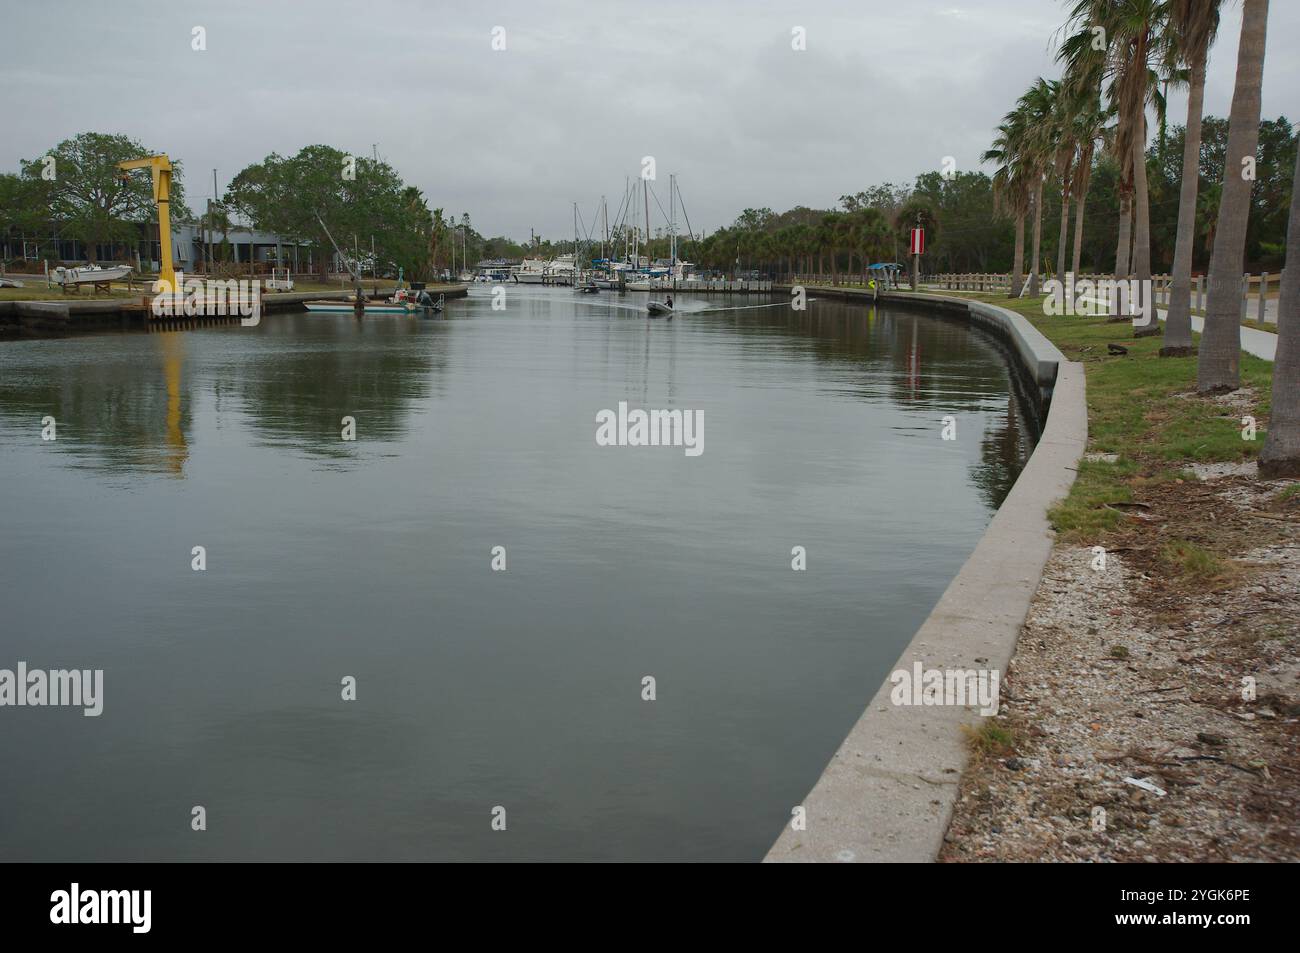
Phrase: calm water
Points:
(371, 559)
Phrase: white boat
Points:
(89, 274)
(532, 271)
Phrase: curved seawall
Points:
(888, 792)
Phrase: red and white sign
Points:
(918, 241)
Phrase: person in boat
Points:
(669, 301)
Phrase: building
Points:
(190, 244)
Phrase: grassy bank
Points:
(1144, 410)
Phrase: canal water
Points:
(479, 694)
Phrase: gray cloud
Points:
(712, 90)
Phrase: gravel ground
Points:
(1126, 675)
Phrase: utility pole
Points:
(212, 223)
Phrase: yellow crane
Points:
(161, 166)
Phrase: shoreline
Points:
(33, 319)
(889, 791)
(1149, 709)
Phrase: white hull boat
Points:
(89, 275)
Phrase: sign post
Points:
(918, 249)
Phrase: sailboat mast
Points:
(645, 193)
(672, 218)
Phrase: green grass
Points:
(1191, 563)
(1287, 494)
(1260, 326)
(990, 738)
(1143, 408)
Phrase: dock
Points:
(57, 317)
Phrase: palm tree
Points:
(1136, 35)
(1194, 23)
(1037, 148)
(869, 230)
(1084, 72)
(1011, 187)
(1218, 368)
(828, 234)
(1281, 454)
(1090, 126)
(1066, 133)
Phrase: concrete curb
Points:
(888, 793)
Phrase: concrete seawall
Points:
(73, 315)
(888, 792)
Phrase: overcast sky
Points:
(711, 89)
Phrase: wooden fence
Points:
(1258, 291)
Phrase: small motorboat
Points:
(348, 306)
(587, 288)
(658, 309)
(401, 303)
(89, 274)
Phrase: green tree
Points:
(88, 197)
(355, 197)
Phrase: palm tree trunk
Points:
(1219, 365)
(1142, 229)
(1281, 454)
(1122, 251)
(1063, 240)
(1178, 322)
(1125, 235)
(1038, 238)
(1018, 266)
(1078, 217)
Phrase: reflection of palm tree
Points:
(1002, 455)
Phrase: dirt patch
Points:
(1155, 702)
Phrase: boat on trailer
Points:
(89, 274)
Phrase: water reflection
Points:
(518, 688)
(126, 402)
(313, 370)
